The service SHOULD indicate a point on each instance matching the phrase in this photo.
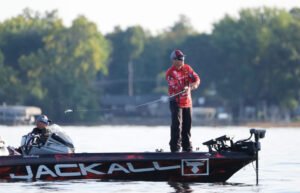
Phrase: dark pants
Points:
(180, 128)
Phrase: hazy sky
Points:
(154, 15)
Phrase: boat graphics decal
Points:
(81, 169)
(195, 167)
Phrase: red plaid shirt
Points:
(177, 80)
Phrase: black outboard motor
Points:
(57, 142)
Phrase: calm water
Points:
(279, 159)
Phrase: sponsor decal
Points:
(81, 169)
(195, 167)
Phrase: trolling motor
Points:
(258, 134)
(225, 143)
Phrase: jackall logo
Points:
(190, 167)
(80, 169)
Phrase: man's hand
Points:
(186, 88)
(194, 86)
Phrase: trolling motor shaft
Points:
(258, 134)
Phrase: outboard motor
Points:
(57, 142)
(3, 149)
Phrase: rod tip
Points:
(68, 111)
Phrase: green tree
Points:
(155, 59)
(258, 56)
(127, 47)
(65, 69)
(201, 55)
(9, 83)
(21, 36)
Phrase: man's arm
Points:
(194, 77)
(34, 131)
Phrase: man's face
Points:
(41, 125)
(178, 63)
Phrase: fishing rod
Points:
(163, 98)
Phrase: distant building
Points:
(18, 115)
(204, 113)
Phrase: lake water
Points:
(279, 159)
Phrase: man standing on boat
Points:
(182, 79)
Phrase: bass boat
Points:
(56, 160)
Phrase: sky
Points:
(153, 15)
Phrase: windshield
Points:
(54, 128)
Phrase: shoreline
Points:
(137, 121)
(273, 124)
(165, 121)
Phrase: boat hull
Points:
(159, 166)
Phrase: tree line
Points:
(246, 60)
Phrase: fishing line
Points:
(163, 99)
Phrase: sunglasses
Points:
(179, 59)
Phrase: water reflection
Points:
(180, 187)
(186, 187)
(47, 186)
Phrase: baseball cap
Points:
(43, 119)
(177, 55)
